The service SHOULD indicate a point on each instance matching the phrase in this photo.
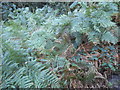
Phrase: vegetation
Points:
(75, 46)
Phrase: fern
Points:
(109, 37)
(35, 45)
(31, 75)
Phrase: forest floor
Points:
(114, 79)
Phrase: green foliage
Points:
(93, 20)
(109, 37)
(107, 54)
(36, 44)
(31, 74)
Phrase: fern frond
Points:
(109, 37)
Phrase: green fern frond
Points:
(109, 37)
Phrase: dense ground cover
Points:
(75, 46)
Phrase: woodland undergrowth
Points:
(77, 48)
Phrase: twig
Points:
(76, 51)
